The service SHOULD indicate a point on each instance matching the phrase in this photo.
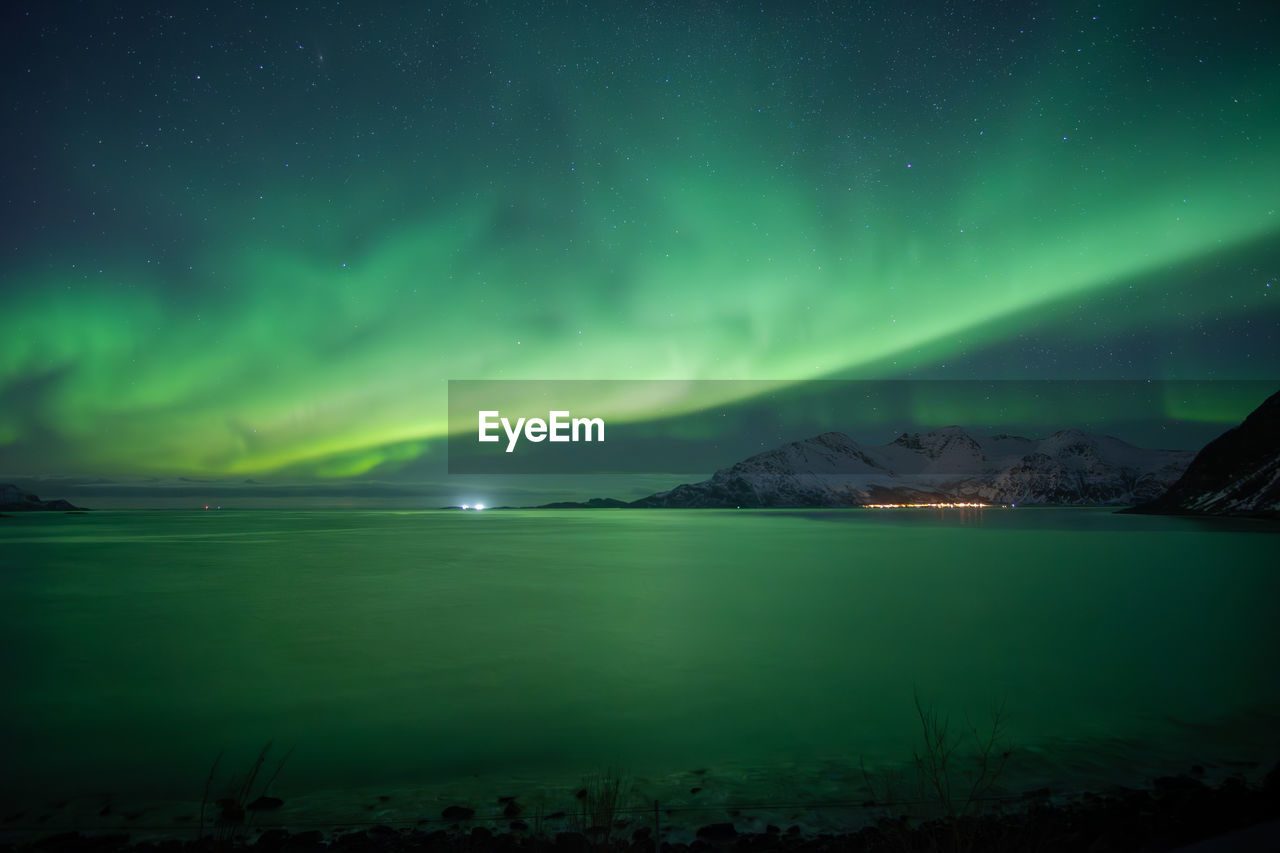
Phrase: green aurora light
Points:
(264, 246)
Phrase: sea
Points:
(755, 666)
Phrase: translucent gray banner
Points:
(667, 426)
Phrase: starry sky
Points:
(252, 241)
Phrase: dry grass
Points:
(604, 794)
(952, 785)
(959, 793)
(234, 816)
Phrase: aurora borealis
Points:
(256, 241)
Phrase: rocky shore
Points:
(1170, 814)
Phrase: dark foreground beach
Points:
(1173, 813)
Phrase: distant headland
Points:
(13, 499)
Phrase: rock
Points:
(718, 832)
(272, 839)
(1175, 785)
(265, 804)
(1271, 782)
(458, 813)
(304, 842)
(427, 840)
(74, 842)
(572, 842)
(232, 811)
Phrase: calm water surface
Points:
(470, 652)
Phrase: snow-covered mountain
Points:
(1238, 473)
(826, 470)
(948, 464)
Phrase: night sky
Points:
(253, 241)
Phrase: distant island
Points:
(13, 499)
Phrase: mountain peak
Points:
(944, 441)
(943, 465)
(828, 453)
(1238, 473)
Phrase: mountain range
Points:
(1069, 467)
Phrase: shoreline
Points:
(1168, 813)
